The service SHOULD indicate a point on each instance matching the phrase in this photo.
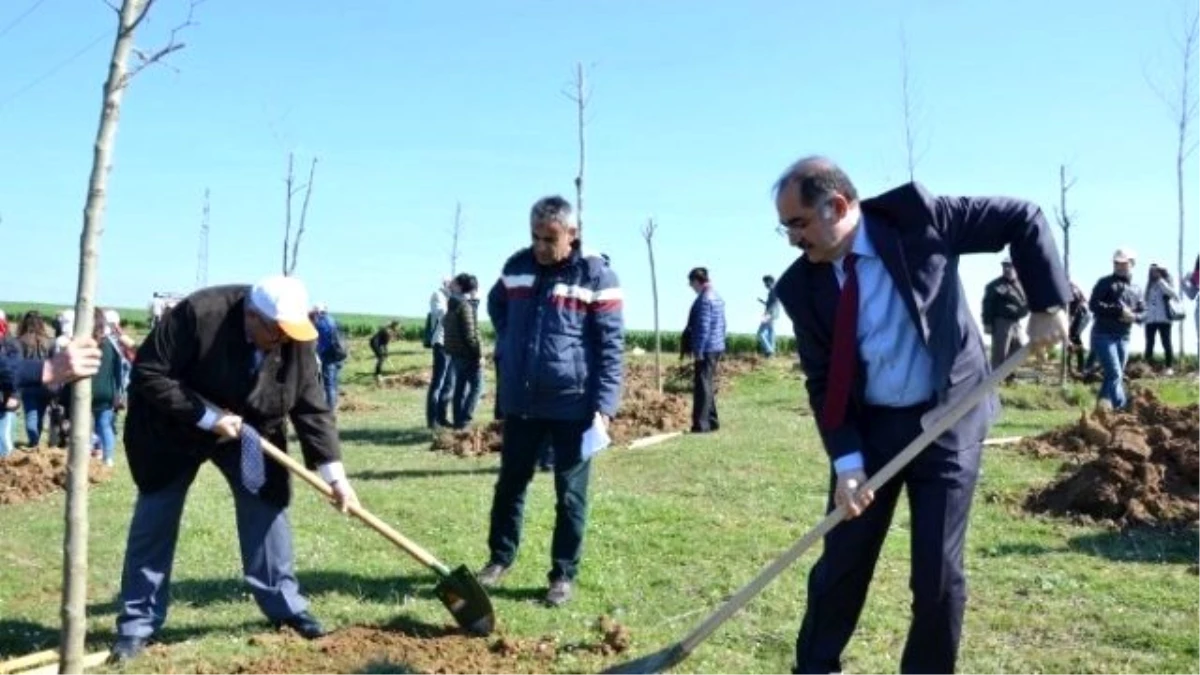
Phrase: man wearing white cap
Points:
(1117, 304)
(223, 355)
(1004, 305)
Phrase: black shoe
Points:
(126, 649)
(304, 624)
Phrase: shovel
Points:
(676, 653)
(458, 589)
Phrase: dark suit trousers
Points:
(940, 483)
(264, 534)
(524, 440)
(704, 393)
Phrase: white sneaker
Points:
(108, 463)
(1169, 372)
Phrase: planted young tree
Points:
(581, 97)
(130, 15)
(648, 234)
(202, 254)
(455, 234)
(910, 109)
(1065, 220)
(1183, 104)
(289, 259)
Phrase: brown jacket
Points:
(200, 347)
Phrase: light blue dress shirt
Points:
(899, 367)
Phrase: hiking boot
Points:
(490, 576)
(559, 593)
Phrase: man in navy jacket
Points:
(558, 320)
(885, 334)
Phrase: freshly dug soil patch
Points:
(417, 649)
(1140, 467)
(418, 379)
(25, 476)
(471, 442)
(351, 403)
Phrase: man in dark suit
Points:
(885, 334)
(223, 355)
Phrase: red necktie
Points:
(845, 350)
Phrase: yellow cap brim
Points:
(300, 331)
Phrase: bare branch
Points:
(113, 7)
(312, 169)
(172, 46)
(1188, 153)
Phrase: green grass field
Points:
(673, 530)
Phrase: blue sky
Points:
(695, 110)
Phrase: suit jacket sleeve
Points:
(988, 224)
(310, 414)
(161, 362)
(814, 359)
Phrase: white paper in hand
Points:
(595, 438)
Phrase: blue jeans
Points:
(766, 338)
(468, 381)
(1112, 351)
(329, 376)
(6, 427)
(34, 400)
(441, 386)
(104, 425)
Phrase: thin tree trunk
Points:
(287, 219)
(1180, 158)
(1066, 228)
(581, 103)
(648, 233)
(454, 241)
(312, 170)
(75, 544)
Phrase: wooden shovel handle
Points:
(411, 547)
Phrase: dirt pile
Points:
(25, 476)
(414, 648)
(1140, 467)
(471, 442)
(353, 403)
(419, 379)
(645, 412)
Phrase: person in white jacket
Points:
(441, 385)
(1159, 296)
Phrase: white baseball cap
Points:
(111, 317)
(1124, 255)
(284, 300)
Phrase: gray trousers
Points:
(264, 534)
(1006, 339)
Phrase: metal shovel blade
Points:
(651, 663)
(462, 594)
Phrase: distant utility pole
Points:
(202, 255)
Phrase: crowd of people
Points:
(883, 334)
(46, 409)
(1115, 305)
